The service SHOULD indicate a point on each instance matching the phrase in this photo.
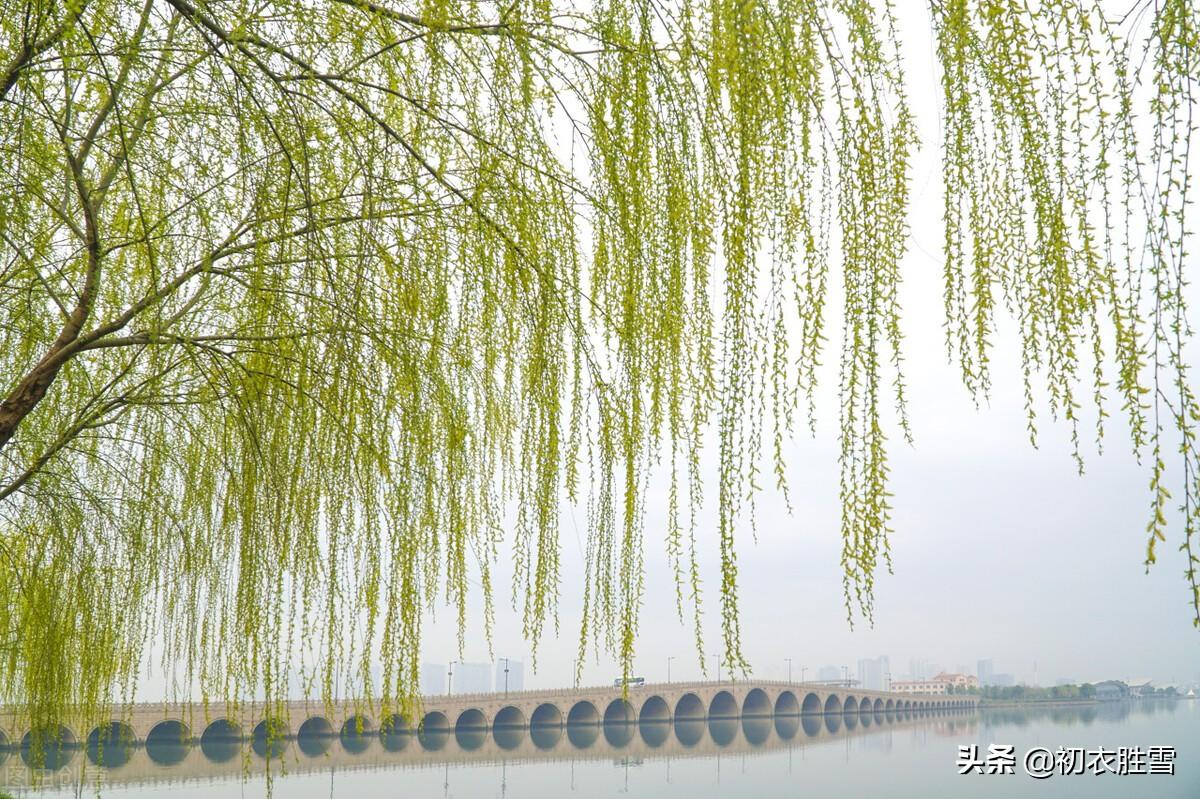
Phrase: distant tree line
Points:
(1033, 693)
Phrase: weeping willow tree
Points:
(311, 311)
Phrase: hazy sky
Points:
(1001, 551)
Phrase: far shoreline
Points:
(1001, 703)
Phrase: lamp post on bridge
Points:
(789, 662)
(505, 677)
(450, 678)
(669, 659)
(802, 670)
(846, 675)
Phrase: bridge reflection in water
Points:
(110, 759)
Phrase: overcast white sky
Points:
(1001, 551)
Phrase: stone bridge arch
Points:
(786, 704)
(690, 706)
(723, 706)
(583, 713)
(510, 716)
(546, 714)
(756, 704)
(654, 709)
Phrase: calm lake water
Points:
(893, 755)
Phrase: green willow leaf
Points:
(309, 313)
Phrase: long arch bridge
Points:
(360, 721)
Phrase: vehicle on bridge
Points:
(635, 682)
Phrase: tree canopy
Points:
(309, 309)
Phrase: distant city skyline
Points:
(472, 678)
(510, 675)
(871, 673)
(830, 673)
(433, 679)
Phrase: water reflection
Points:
(313, 744)
(433, 740)
(509, 738)
(470, 739)
(787, 726)
(582, 736)
(655, 733)
(221, 741)
(269, 748)
(269, 740)
(689, 731)
(723, 730)
(1085, 715)
(318, 745)
(395, 733)
(168, 753)
(545, 738)
(110, 745)
(220, 750)
(50, 748)
(357, 735)
(757, 729)
(618, 734)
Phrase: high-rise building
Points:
(433, 679)
(872, 673)
(922, 669)
(985, 672)
(472, 678)
(829, 673)
(514, 680)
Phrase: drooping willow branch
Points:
(1056, 210)
(308, 312)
